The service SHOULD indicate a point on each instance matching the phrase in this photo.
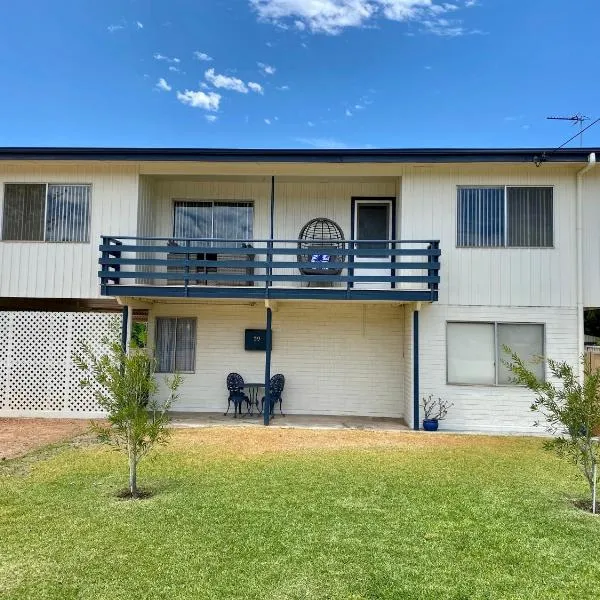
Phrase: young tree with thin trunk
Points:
(571, 412)
(125, 387)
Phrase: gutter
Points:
(579, 238)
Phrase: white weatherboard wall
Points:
(494, 276)
(297, 200)
(591, 238)
(66, 270)
(37, 374)
(344, 359)
(481, 407)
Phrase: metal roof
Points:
(384, 155)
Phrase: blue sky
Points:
(297, 73)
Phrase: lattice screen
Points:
(36, 370)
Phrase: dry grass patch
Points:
(20, 436)
(247, 441)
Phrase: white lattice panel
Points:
(91, 327)
(37, 373)
(5, 323)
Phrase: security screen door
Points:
(373, 222)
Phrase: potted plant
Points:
(434, 410)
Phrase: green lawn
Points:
(276, 514)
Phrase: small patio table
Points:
(253, 394)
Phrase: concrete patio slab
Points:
(185, 419)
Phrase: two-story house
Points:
(369, 278)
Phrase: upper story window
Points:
(505, 216)
(221, 220)
(41, 212)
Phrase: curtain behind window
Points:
(480, 219)
(165, 345)
(67, 216)
(530, 217)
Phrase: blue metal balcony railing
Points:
(406, 270)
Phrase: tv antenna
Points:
(576, 118)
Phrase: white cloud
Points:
(211, 118)
(202, 56)
(139, 25)
(348, 112)
(205, 100)
(256, 87)
(204, 85)
(333, 16)
(268, 121)
(266, 69)
(174, 69)
(322, 143)
(158, 56)
(283, 88)
(227, 83)
(163, 86)
(310, 123)
(358, 107)
(113, 28)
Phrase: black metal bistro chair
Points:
(276, 385)
(235, 386)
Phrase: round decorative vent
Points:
(317, 243)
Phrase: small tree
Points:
(571, 412)
(126, 389)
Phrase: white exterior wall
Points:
(481, 407)
(591, 238)
(66, 270)
(344, 359)
(494, 276)
(297, 200)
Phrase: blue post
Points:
(267, 404)
(124, 328)
(416, 370)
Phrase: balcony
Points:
(392, 270)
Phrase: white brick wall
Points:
(337, 358)
(488, 408)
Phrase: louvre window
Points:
(514, 217)
(475, 351)
(175, 345)
(46, 213)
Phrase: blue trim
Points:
(393, 155)
(273, 293)
(124, 328)
(269, 345)
(416, 392)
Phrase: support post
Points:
(125, 328)
(267, 404)
(416, 392)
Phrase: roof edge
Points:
(383, 155)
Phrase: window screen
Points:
(23, 215)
